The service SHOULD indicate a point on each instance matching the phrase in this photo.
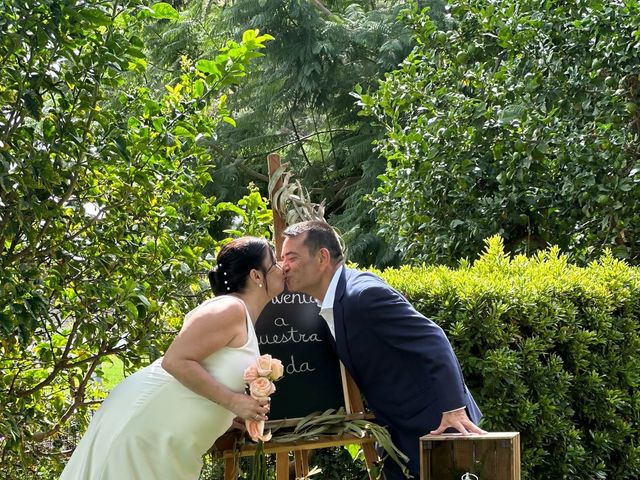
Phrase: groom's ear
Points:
(325, 257)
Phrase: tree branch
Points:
(295, 131)
(325, 11)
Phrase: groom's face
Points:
(301, 269)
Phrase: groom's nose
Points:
(285, 268)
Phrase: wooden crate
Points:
(494, 456)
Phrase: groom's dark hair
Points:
(319, 235)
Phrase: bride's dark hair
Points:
(235, 260)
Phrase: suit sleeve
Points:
(423, 344)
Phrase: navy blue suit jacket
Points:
(402, 362)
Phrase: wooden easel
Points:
(224, 447)
(301, 448)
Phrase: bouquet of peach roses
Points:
(259, 379)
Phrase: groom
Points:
(402, 362)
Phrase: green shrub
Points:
(549, 349)
(520, 118)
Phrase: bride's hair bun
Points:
(235, 260)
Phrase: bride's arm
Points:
(206, 331)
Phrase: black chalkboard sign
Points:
(291, 329)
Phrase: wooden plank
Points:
(354, 400)
(463, 457)
(230, 472)
(516, 460)
(282, 466)
(320, 442)
(423, 461)
(426, 468)
(348, 392)
(470, 437)
(273, 163)
(504, 460)
(302, 463)
(484, 459)
(370, 458)
(442, 460)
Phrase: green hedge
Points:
(549, 349)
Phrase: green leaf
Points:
(133, 123)
(95, 17)
(249, 35)
(199, 87)
(163, 10)
(511, 113)
(208, 66)
(158, 123)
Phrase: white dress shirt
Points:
(326, 309)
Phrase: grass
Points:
(113, 369)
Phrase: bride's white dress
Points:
(151, 427)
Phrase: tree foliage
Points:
(520, 119)
(103, 224)
(300, 106)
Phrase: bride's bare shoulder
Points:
(225, 306)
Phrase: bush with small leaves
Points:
(549, 349)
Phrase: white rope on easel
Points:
(469, 476)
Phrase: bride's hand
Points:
(238, 424)
(248, 408)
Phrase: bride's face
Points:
(275, 277)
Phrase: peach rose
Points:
(264, 365)
(250, 374)
(277, 369)
(255, 429)
(261, 387)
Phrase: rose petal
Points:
(277, 369)
(263, 364)
(250, 374)
(261, 387)
(255, 429)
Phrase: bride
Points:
(160, 421)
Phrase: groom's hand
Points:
(459, 420)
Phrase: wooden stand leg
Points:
(282, 466)
(302, 463)
(230, 469)
(370, 458)
(357, 405)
